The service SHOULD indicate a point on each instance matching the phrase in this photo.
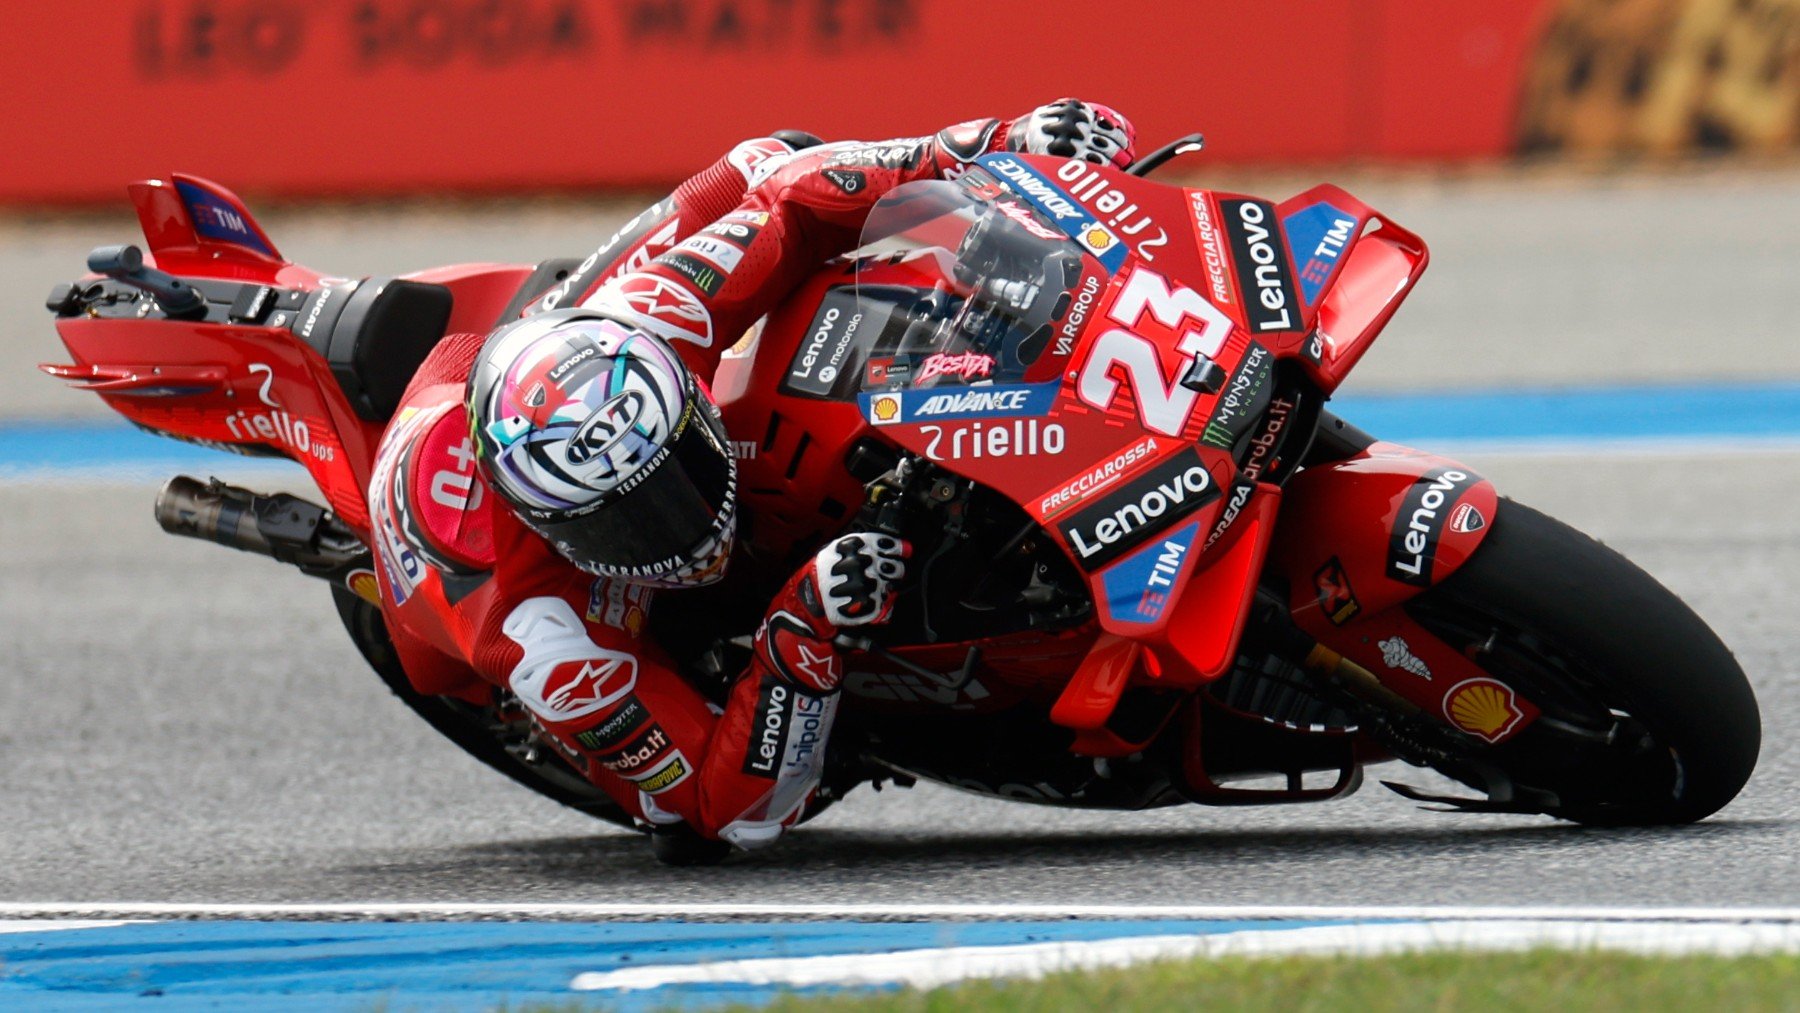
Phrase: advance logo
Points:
(1052, 200)
(945, 404)
(1152, 502)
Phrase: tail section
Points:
(187, 218)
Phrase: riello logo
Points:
(1152, 502)
(277, 427)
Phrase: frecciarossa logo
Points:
(1170, 490)
(1412, 545)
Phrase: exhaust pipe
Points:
(282, 527)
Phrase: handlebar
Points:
(125, 263)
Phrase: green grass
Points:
(1539, 980)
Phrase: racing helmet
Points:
(601, 440)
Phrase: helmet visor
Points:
(663, 516)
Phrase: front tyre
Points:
(1647, 718)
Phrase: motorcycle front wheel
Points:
(1646, 717)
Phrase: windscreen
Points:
(958, 285)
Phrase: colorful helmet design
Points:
(601, 441)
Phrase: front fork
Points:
(1365, 528)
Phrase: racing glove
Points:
(850, 582)
(1071, 128)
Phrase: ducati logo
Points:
(1466, 519)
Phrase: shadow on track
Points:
(839, 858)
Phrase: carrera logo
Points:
(1261, 261)
(1240, 494)
(1412, 545)
(1164, 494)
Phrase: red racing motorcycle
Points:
(1150, 566)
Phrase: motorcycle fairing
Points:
(192, 223)
(1361, 537)
(1355, 267)
(251, 383)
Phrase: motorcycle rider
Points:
(537, 484)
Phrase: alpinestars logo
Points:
(665, 307)
(1153, 502)
(581, 687)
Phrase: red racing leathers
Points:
(474, 599)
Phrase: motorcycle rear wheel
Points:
(1647, 718)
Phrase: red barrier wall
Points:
(302, 97)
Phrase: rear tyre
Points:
(473, 728)
(1647, 717)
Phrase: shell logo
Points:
(1485, 708)
(1097, 239)
(884, 408)
(364, 585)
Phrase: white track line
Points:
(886, 912)
(931, 968)
(39, 925)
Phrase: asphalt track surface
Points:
(181, 723)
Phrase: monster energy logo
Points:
(704, 276)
